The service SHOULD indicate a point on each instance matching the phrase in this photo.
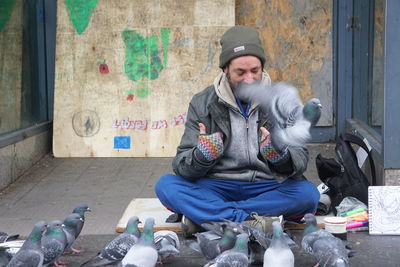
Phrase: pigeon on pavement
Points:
(327, 249)
(144, 252)
(167, 244)
(8, 250)
(116, 250)
(278, 253)
(54, 242)
(211, 245)
(30, 254)
(311, 233)
(70, 228)
(4, 237)
(234, 257)
(80, 209)
(291, 120)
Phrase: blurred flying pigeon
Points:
(327, 249)
(291, 120)
(143, 253)
(211, 245)
(30, 254)
(70, 228)
(234, 257)
(80, 209)
(116, 250)
(54, 241)
(278, 253)
(167, 244)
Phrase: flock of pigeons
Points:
(223, 244)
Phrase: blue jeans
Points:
(212, 199)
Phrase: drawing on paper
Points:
(384, 209)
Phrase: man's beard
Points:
(241, 97)
(233, 87)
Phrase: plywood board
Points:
(144, 208)
(297, 38)
(126, 71)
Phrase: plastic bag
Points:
(349, 204)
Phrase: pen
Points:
(352, 212)
(356, 224)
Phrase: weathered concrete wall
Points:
(17, 158)
(297, 37)
(126, 71)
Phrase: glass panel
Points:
(21, 103)
(376, 110)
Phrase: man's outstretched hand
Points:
(211, 146)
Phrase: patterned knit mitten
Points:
(211, 146)
(269, 152)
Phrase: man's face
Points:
(244, 68)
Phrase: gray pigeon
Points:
(211, 245)
(143, 253)
(291, 120)
(167, 244)
(4, 237)
(80, 209)
(311, 233)
(234, 257)
(70, 228)
(54, 242)
(116, 250)
(327, 249)
(30, 254)
(258, 239)
(8, 250)
(278, 253)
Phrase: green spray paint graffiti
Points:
(142, 57)
(165, 40)
(80, 12)
(6, 6)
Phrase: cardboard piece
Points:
(152, 207)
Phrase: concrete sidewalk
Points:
(52, 188)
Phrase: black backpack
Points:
(343, 176)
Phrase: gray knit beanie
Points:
(240, 41)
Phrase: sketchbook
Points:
(384, 210)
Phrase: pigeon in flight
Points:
(116, 250)
(290, 119)
(30, 254)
